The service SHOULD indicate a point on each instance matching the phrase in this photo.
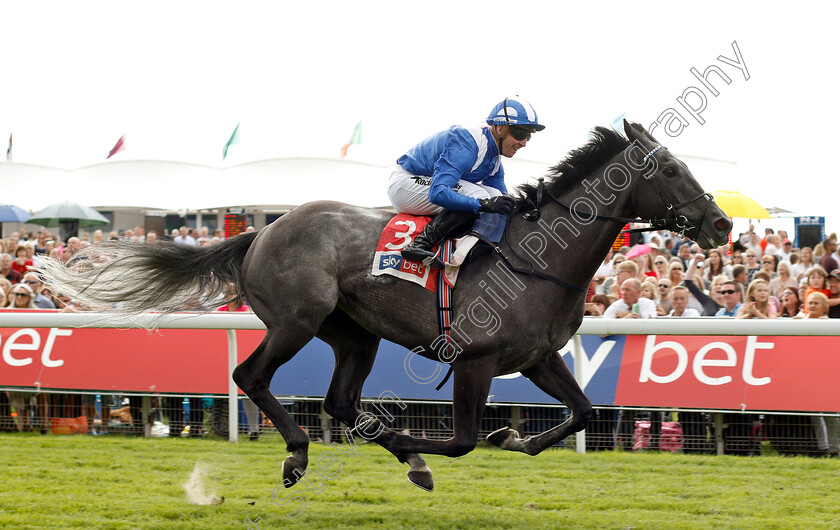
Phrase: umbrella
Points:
(10, 213)
(736, 204)
(63, 212)
(638, 250)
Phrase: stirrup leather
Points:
(427, 257)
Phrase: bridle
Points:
(674, 221)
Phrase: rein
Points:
(675, 221)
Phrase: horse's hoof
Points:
(503, 437)
(290, 472)
(422, 479)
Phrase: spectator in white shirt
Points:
(184, 238)
(774, 245)
(785, 251)
(753, 243)
(631, 304)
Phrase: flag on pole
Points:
(355, 138)
(9, 149)
(119, 146)
(234, 139)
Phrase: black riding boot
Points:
(448, 223)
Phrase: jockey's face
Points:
(508, 144)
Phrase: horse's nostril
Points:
(723, 224)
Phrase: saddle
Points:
(398, 233)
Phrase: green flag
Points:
(356, 138)
(234, 139)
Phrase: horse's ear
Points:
(634, 131)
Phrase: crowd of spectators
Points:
(754, 277)
(22, 251)
(21, 288)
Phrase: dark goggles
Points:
(520, 133)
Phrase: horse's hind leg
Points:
(553, 377)
(253, 376)
(472, 384)
(355, 351)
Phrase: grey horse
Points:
(308, 275)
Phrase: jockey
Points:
(457, 176)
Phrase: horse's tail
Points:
(164, 277)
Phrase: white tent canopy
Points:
(280, 184)
(270, 185)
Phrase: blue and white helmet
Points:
(514, 111)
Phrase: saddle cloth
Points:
(398, 233)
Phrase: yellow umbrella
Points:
(736, 204)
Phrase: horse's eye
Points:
(669, 172)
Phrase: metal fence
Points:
(611, 428)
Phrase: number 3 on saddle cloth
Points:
(399, 232)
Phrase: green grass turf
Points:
(122, 482)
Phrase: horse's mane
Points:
(604, 144)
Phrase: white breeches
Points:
(410, 193)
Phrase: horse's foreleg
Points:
(253, 377)
(554, 378)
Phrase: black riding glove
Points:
(502, 204)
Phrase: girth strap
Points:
(445, 307)
(445, 378)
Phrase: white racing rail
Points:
(227, 321)
(590, 326)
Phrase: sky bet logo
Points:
(395, 261)
(390, 261)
